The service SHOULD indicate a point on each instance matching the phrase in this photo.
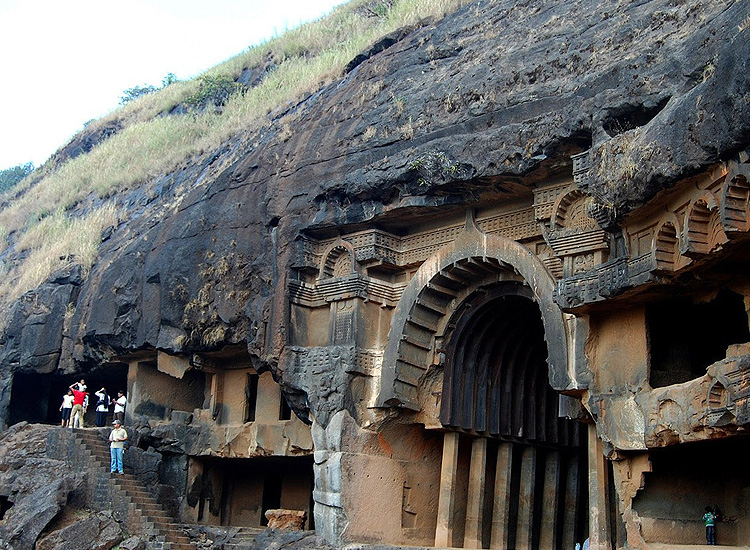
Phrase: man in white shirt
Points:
(117, 438)
(120, 403)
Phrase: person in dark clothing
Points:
(102, 407)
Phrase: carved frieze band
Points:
(345, 359)
(378, 246)
(341, 288)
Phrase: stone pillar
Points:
(474, 506)
(330, 518)
(525, 529)
(501, 503)
(446, 499)
(551, 501)
(598, 488)
(572, 496)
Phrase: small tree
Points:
(135, 92)
(169, 78)
(11, 176)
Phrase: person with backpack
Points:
(710, 520)
(102, 407)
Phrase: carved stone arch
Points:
(719, 400)
(473, 260)
(735, 203)
(702, 229)
(665, 247)
(718, 396)
(570, 211)
(339, 260)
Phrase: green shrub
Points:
(213, 91)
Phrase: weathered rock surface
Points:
(38, 487)
(454, 113)
(95, 532)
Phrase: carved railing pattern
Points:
(346, 359)
(379, 246)
(341, 288)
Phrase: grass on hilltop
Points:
(38, 216)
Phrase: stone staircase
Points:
(243, 538)
(128, 495)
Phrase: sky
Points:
(65, 62)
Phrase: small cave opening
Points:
(685, 337)
(36, 398)
(686, 478)
(5, 505)
(238, 492)
(629, 117)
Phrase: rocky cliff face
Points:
(451, 114)
(474, 107)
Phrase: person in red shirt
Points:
(76, 415)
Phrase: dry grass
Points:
(53, 243)
(151, 143)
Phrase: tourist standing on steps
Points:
(102, 407)
(79, 407)
(120, 406)
(710, 518)
(117, 438)
(66, 407)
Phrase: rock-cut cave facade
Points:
(554, 361)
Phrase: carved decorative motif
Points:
(666, 247)
(688, 230)
(728, 399)
(735, 208)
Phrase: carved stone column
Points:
(572, 495)
(474, 506)
(525, 529)
(501, 504)
(550, 508)
(447, 498)
(598, 494)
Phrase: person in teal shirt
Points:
(710, 519)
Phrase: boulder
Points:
(286, 519)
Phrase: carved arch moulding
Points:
(474, 259)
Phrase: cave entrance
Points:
(686, 478)
(36, 398)
(517, 471)
(5, 505)
(685, 337)
(238, 492)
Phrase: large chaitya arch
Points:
(424, 311)
(513, 473)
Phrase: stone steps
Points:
(243, 538)
(158, 523)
